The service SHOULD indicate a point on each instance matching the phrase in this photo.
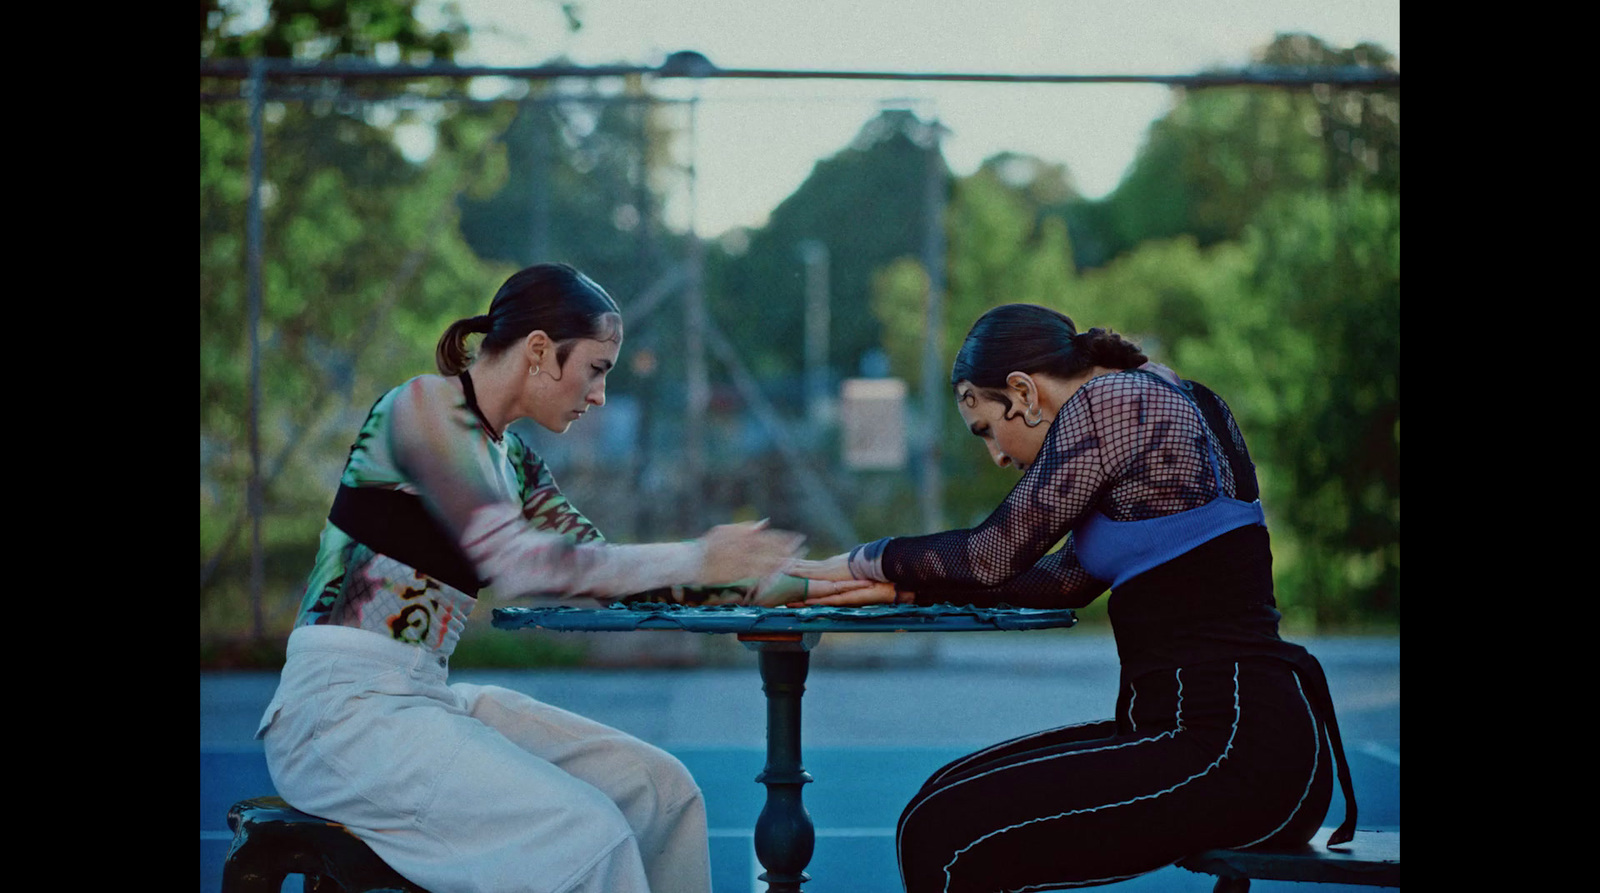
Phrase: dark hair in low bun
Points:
(1030, 338)
(451, 354)
(553, 298)
(1106, 348)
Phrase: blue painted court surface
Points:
(871, 737)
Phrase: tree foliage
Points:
(868, 206)
(580, 188)
(330, 29)
(1296, 324)
(1209, 165)
(1253, 245)
(1330, 266)
(361, 262)
(1002, 247)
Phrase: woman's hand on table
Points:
(783, 591)
(833, 585)
(851, 594)
(836, 568)
(751, 549)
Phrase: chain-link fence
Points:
(346, 221)
(349, 213)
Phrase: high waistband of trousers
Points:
(365, 643)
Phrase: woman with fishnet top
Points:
(1221, 733)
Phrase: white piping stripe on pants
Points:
(1009, 742)
(1060, 885)
(1133, 696)
(1178, 719)
(904, 821)
(1316, 760)
(1214, 764)
(1158, 737)
(1179, 722)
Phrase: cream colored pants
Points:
(473, 788)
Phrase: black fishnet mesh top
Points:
(1127, 445)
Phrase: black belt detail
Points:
(398, 525)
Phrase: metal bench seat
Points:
(1372, 859)
(272, 840)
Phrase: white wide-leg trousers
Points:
(476, 788)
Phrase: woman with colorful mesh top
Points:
(465, 788)
(1222, 731)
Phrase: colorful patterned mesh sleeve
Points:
(508, 516)
(452, 466)
(544, 506)
(1126, 444)
(547, 509)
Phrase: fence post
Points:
(258, 84)
(697, 384)
(814, 254)
(933, 391)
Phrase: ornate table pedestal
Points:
(782, 639)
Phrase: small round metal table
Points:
(783, 639)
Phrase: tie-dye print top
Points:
(499, 503)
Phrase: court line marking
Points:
(820, 832)
(1379, 752)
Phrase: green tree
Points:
(1359, 127)
(581, 188)
(1330, 266)
(867, 205)
(331, 29)
(1002, 247)
(362, 267)
(1208, 166)
(1297, 325)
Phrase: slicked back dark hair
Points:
(554, 298)
(1030, 338)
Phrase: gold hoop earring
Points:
(1033, 418)
(534, 371)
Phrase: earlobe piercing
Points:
(1033, 418)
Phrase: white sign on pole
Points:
(873, 423)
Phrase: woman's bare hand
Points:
(749, 549)
(835, 568)
(819, 589)
(850, 594)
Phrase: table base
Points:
(784, 834)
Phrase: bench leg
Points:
(1232, 885)
(241, 877)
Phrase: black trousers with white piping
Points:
(1223, 754)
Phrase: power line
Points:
(693, 65)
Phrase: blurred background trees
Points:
(1252, 245)
(362, 265)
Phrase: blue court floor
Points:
(871, 736)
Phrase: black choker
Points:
(472, 404)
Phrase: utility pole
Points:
(819, 408)
(934, 394)
(697, 382)
(539, 115)
(253, 236)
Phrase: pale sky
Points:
(758, 139)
